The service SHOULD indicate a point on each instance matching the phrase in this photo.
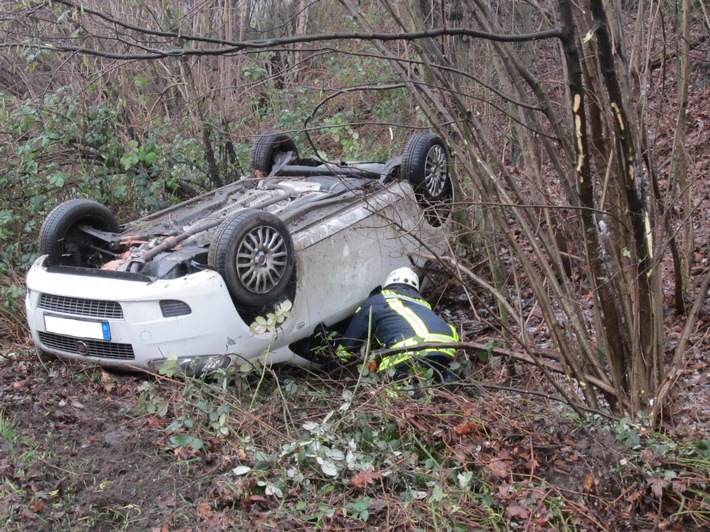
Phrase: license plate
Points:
(97, 330)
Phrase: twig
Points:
(541, 394)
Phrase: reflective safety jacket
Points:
(398, 317)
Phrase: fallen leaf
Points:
(588, 482)
(204, 510)
(505, 490)
(657, 486)
(253, 498)
(165, 502)
(464, 428)
(543, 519)
(516, 510)
(647, 454)
(363, 478)
(500, 467)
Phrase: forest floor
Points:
(285, 449)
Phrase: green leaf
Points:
(140, 81)
(464, 479)
(327, 467)
(181, 440)
(437, 494)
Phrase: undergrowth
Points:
(317, 452)
(282, 448)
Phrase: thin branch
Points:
(227, 47)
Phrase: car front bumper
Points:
(140, 323)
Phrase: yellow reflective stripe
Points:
(406, 343)
(390, 362)
(394, 295)
(427, 338)
(393, 360)
(414, 321)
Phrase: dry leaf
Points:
(363, 478)
(500, 467)
(588, 482)
(505, 490)
(634, 496)
(204, 510)
(647, 454)
(516, 510)
(544, 518)
(657, 486)
(249, 499)
(464, 428)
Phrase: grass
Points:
(8, 430)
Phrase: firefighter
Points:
(399, 317)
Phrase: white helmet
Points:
(403, 276)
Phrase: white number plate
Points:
(98, 330)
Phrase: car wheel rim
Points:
(436, 171)
(262, 258)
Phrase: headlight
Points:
(197, 366)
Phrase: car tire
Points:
(425, 164)
(64, 243)
(269, 149)
(253, 252)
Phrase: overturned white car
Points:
(188, 281)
